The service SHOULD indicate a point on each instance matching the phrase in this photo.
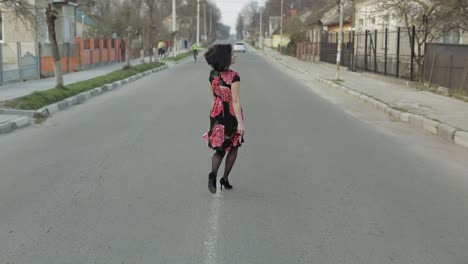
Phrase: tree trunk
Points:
(340, 43)
(52, 15)
(128, 51)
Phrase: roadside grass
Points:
(180, 56)
(40, 99)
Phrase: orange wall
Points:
(82, 57)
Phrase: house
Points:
(16, 31)
(84, 23)
(370, 16)
(275, 39)
(13, 30)
(331, 23)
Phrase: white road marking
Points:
(209, 246)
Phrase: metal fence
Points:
(65, 50)
(446, 65)
(388, 52)
(329, 46)
(308, 51)
(18, 62)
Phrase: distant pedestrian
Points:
(195, 49)
(168, 45)
(160, 49)
(226, 133)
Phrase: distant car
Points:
(239, 47)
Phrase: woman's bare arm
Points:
(237, 106)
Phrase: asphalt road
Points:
(122, 179)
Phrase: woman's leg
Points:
(230, 160)
(216, 161)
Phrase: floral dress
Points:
(223, 135)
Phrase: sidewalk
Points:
(433, 106)
(439, 115)
(14, 90)
(12, 120)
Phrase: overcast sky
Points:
(230, 10)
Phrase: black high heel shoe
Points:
(212, 182)
(225, 182)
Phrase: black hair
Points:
(219, 56)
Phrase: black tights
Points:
(230, 160)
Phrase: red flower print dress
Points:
(223, 135)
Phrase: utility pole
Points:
(281, 27)
(174, 27)
(260, 37)
(340, 42)
(211, 23)
(198, 21)
(204, 20)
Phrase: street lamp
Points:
(82, 24)
(281, 29)
(174, 27)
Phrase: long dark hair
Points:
(219, 56)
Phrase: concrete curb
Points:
(461, 138)
(16, 123)
(26, 115)
(440, 129)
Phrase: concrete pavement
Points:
(122, 179)
(442, 116)
(12, 119)
(14, 90)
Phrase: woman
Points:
(226, 132)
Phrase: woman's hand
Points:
(241, 129)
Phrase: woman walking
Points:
(226, 132)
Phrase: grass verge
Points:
(181, 56)
(40, 99)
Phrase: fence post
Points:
(365, 52)
(18, 56)
(91, 51)
(398, 53)
(412, 51)
(354, 44)
(101, 50)
(38, 60)
(375, 52)
(1, 63)
(80, 54)
(67, 46)
(450, 72)
(386, 50)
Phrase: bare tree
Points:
(240, 27)
(22, 9)
(51, 16)
(150, 27)
(433, 19)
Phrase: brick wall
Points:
(88, 53)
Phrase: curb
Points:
(26, 115)
(440, 129)
(445, 131)
(17, 123)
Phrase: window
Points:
(386, 20)
(66, 29)
(452, 37)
